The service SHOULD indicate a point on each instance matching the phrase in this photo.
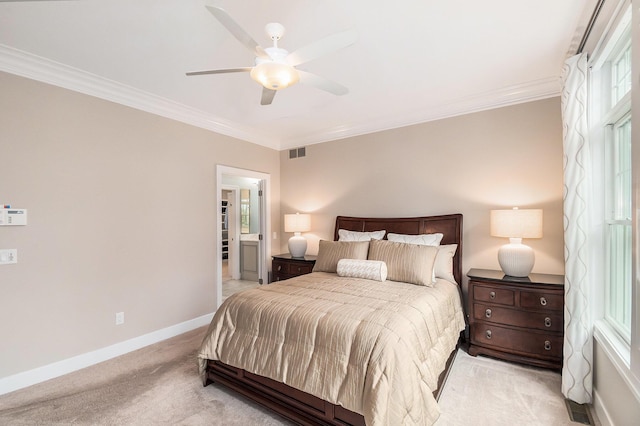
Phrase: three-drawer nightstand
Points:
(283, 266)
(517, 319)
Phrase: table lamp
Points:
(297, 223)
(515, 258)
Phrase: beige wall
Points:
(122, 217)
(470, 164)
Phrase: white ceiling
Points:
(414, 60)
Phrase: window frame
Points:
(623, 354)
(620, 115)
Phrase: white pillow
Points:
(344, 235)
(358, 268)
(443, 267)
(423, 239)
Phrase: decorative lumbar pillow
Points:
(330, 252)
(422, 239)
(358, 268)
(344, 235)
(443, 266)
(409, 263)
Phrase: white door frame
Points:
(266, 220)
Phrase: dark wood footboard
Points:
(293, 404)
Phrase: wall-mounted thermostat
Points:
(13, 217)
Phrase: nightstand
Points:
(517, 319)
(283, 266)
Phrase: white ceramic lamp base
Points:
(297, 245)
(516, 259)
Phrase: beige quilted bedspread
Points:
(375, 348)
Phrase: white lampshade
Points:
(516, 223)
(515, 258)
(297, 223)
(275, 75)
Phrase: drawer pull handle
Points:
(487, 313)
(488, 334)
(543, 301)
(547, 345)
(298, 269)
(547, 322)
(492, 295)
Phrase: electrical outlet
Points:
(119, 318)
(8, 256)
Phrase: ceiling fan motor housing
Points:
(274, 30)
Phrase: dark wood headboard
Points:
(450, 225)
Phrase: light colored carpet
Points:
(484, 391)
(230, 287)
(159, 384)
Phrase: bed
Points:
(328, 349)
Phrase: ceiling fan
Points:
(275, 68)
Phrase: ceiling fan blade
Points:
(322, 47)
(267, 96)
(225, 71)
(322, 83)
(237, 31)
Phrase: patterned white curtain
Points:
(577, 371)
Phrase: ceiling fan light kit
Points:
(275, 67)
(273, 72)
(274, 75)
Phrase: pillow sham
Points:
(422, 239)
(409, 263)
(330, 252)
(443, 267)
(358, 268)
(345, 235)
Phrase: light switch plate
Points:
(8, 256)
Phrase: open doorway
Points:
(229, 205)
(244, 221)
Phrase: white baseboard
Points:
(601, 411)
(57, 369)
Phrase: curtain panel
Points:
(577, 370)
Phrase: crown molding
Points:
(31, 66)
(511, 95)
(35, 67)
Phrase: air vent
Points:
(297, 152)
(579, 413)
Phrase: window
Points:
(611, 79)
(618, 191)
(618, 229)
(621, 76)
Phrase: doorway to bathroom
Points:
(244, 221)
